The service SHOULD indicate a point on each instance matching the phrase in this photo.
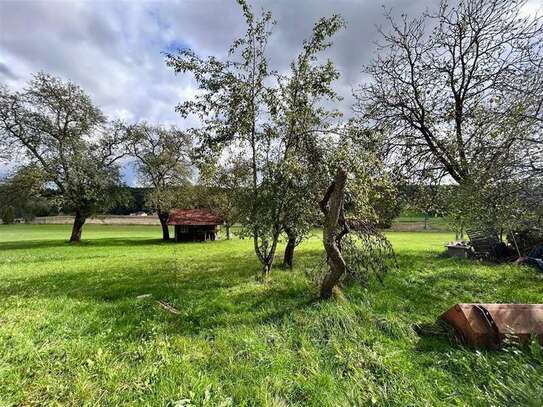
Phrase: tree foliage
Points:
(162, 163)
(223, 189)
(354, 246)
(302, 126)
(8, 215)
(244, 106)
(459, 92)
(26, 190)
(502, 206)
(231, 106)
(57, 127)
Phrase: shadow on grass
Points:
(217, 290)
(102, 242)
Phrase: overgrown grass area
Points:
(72, 330)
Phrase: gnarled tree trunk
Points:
(77, 227)
(163, 217)
(332, 207)
(288, 258)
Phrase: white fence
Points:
(99, 220)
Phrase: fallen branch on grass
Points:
(163, 304)
(168, 307)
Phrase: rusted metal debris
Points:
(488, 325)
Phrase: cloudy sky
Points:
(113, 49)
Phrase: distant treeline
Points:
(45, 204)
(133, 199)
(27, 205)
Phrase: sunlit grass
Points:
(72, 330)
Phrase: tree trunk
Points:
(265, 252)
(77, 227)
(267, 262)
(288, 259)
(332, 206)
(266, 269)
(163, 217)
(228, 232)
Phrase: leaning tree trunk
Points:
(288, 258)
(332, 206)
(163, 217)
(77, 227)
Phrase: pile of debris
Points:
(524, 247)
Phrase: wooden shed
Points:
(194, 224)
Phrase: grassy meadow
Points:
(73, 332)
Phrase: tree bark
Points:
(77, 227)
(267, 264)
(163, 217)
(266, 269)
(288, 258)
(332, 206)
(266, 253)
(227, 232)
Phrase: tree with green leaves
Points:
(163, 164)
(57, 128)
(302, 124)
(241, 108)
(497, 205)
(222, 188)
(429, 198)
(354, 247)
(26, 190)
(458, 92)
(8, 215)
(232, 105)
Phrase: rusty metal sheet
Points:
(488, 325)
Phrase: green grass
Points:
(73, 332)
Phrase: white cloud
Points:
(113, 48)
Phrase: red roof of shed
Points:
(189, 217)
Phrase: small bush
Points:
(526, 239)
(8, 215)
